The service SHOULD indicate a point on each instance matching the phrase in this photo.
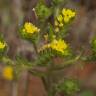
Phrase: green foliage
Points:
(57, 2)
(60, 48)
(44, 58)
(50, 32)
(63, 31)
(42, 11)
(93, 49)
(68, 86)
(1, 37)
(93, 45)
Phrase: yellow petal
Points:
(8, 73)
(56, 23)
(56, 29)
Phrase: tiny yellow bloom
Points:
(46, 37)
(2, 45)
(66, 19)
(54, 36)
(8, 73)
(44, 47)
(23, 30)
(61, 25)
(60, 18)
(56, 29)
(56, 23)
(63, 11)
(68, 14)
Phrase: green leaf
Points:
(50, 32)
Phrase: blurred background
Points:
(13, 13)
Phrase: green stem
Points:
(49, 80)
(35, 48)
(52, 68)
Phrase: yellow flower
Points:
(30, 28)
(58, 45)
(2, 45)
(68, 14)
(8, 73)
(60, 18)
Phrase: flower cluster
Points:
(57, 45)
(64, 17)
(8, 73)
(29, 31)
(29, 28)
